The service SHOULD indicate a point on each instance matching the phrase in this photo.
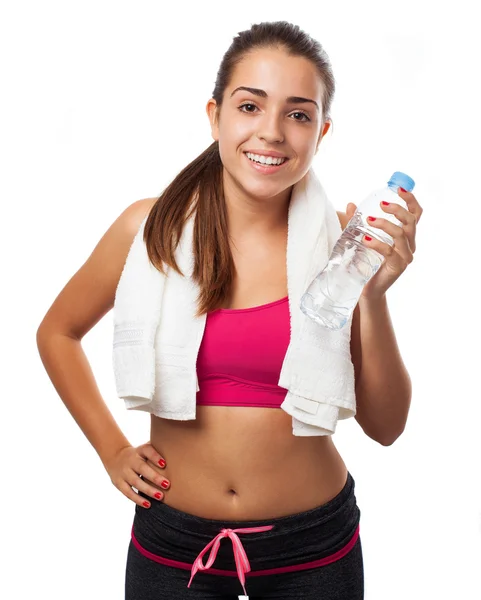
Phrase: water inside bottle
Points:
(332, 296)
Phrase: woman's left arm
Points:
(383, 385)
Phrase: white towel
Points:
(157, 336)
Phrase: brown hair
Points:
(213, 262)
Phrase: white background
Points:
(102, 103)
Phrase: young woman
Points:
(236, 471)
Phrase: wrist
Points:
(108, 454)
(372, 302)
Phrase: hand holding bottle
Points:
(374, 248)
(399, 255)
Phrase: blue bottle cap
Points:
(399, 179)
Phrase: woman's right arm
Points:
(84, 300)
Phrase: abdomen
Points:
(244, 463)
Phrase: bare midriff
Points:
(244, 463)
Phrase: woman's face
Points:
(264, 118)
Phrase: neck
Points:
(254, 214)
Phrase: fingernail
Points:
(165, 484)
(385, 203)
(146, 504)
(402, 189)
(368, 238)
(371, 218)
(158, 495)
(162, 462)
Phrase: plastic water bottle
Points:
(332, 296)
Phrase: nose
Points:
(270, 129)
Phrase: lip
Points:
(267, 153)
(265, 168)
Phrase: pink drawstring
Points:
(241, 561)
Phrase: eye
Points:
(303, 114)
(306, 119)
(246, 104)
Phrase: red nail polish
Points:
(368, 238)
(158, 495)
(385, 203)
(164, 484)
(402, 189)
(162, 462)
(146, 504)
(371, 218)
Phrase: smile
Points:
(263, 168)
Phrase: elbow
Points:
(41, 335)
(389, 441)
(383, 440)
(386, 443)
(382, 435)
(378, 433)
(42, 329)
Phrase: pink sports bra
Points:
(241, 355)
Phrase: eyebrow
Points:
(263, 94)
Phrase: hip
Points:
(306, 539)
(308, 555)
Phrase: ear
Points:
(322, 133)
(212, 113)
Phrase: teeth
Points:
(265, 160)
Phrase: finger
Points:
(400, 248)
(142, 484)
(351, 208)
(401, 213)
(148, 488)
(150, 474)
(407, 219)
(403, 236)
(127, 491)
(414, 207)
(148, 451)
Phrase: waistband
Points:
(303, 540)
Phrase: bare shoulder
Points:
(90, 292)
(121, 233)
(123, 230)
(131, 218)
